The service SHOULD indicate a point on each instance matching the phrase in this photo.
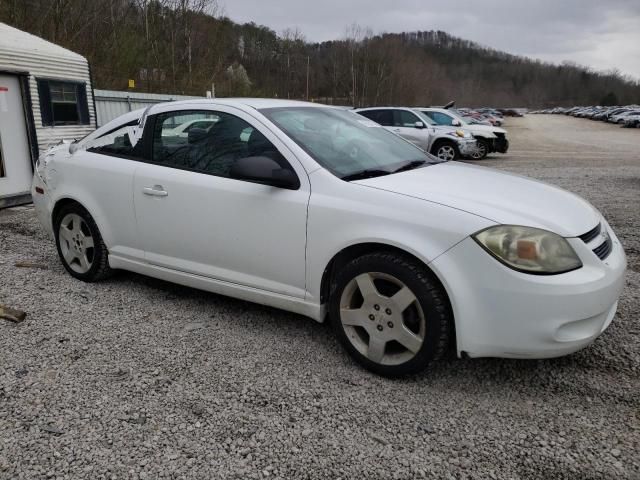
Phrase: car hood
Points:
(484, 128)
(502, 197)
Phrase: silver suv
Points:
(447, 143)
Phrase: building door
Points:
(15, 159)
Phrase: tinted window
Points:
(403, 118)
(383, 117)
(211, 143)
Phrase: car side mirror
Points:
(264, 170)
(456, 123)
(419, 125)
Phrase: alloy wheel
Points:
(481, 151)
(76, 243)
(382, 318)
(446, 152)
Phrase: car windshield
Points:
(346, 144)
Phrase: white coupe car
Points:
(319, 211)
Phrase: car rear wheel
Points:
(80, 245)
(391, 314)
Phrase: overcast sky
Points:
(602, 34)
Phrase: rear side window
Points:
(382, 117)
(208, 142)
(402, 118)
(63, 103)
(121, 142)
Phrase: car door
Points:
(194, 218)
(404, 124)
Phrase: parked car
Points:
(490, 139)
(320, 211)
(182, 129)
(632, 120)
(621, 117)
(445, 142)
(510, 112)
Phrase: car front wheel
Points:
(390, 313)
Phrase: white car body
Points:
(429, 134)
(494, 137)
(273, 246)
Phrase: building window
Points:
(63, 103)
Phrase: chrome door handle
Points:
(155, 191)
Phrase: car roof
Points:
(387, 107)
(257, 103)
(436, 109)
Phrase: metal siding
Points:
(111, 104)
(53, 64)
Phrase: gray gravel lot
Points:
(137, 378)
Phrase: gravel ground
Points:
(137, 378)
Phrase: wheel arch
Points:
(61, 202)
(354, 251)
(442, 141)
(59, 205)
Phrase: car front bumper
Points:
(501, 144)
(500, 312)
(467, 146)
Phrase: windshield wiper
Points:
(410, 165)
(362, 174)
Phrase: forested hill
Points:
(184, 46)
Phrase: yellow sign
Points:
(132, 83)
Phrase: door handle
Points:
(155, 191)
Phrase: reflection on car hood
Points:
(502, 197)
(484, 128)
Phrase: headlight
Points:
(460, 133)
(528, 249)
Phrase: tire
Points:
(414, 328)
(483, 150)
(446, 150)
(80, 246)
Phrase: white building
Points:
(45, 97)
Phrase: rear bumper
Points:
(42, 203)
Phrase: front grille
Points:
(591, 234)
(499, 134)
(604, 249)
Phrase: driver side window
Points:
(208, 142)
